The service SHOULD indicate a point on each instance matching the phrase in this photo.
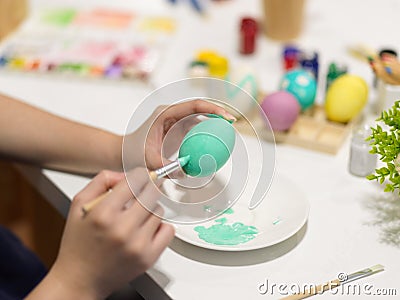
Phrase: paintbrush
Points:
(336, 282)
(170, 168)
(154, 175)
(362, 52)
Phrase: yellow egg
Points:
(346, 97)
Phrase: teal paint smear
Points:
(228, 211)
(277, 221)
(226, 234)
(221, 221)
(184, 160)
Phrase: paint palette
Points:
(282, 213)
(93, 43)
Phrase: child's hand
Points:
(116, 241)
(152, 133)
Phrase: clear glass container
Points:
(361, 163)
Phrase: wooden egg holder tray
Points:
(311, 130)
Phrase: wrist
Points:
(60, 286)
(115, 156)
(134, 143)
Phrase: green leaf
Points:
(396, 180)
(389, 188)
(385, 171)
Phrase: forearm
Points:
(35, 136)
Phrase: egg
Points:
(281, 109)
(302, 85)
(345, 98)
(209, 145)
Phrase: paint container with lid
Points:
(248, 34)
(308, 61)
(387, 52)
(290, 57)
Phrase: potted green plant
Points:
(385, 142)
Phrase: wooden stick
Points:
(320, 289)
(90, 205)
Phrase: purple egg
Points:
(281, 109)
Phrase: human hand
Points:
(150, 136)
(116, 241)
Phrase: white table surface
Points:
(340, 235)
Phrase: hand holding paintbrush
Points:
(154, 175)
(121, 237)
(112, 245)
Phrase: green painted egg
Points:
(209, 144)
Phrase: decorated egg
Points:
(302, 85)
(209, 145)
(281, 109)
(345, 98)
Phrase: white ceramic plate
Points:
(285, 204)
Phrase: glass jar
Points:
(361, 163)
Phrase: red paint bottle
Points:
(248, 33)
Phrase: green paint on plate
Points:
(226, 234)
(277, 221)
(228, 211)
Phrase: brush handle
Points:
(320, 289)
(89, 206)
(154, 175)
